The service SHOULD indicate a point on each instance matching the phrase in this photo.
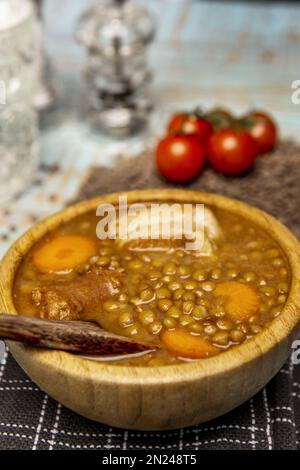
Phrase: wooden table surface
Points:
(236, 54)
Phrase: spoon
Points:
(73, 336)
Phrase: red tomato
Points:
(180, 158)
(263, 130)
(190, 124)
(232, 152)
(220, 119)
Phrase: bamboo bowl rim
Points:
(73, 366)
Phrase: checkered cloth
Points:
(30, 419)
(270, 420)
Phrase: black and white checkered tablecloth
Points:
(31, 420)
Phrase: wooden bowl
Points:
(169, 397)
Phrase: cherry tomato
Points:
(263, 130)
(190, 124)
(220, 119)
(232, 152)
(180, 158)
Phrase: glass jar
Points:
(18, 120)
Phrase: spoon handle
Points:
(74, 336)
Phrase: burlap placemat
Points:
(273, 185)
(270, 420)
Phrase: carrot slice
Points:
(63, 252)
(183, 344)
(241, 301)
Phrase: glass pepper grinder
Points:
(116, 34)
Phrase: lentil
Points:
(147, 317)
(164, 305)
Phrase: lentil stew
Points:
(193, 306)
